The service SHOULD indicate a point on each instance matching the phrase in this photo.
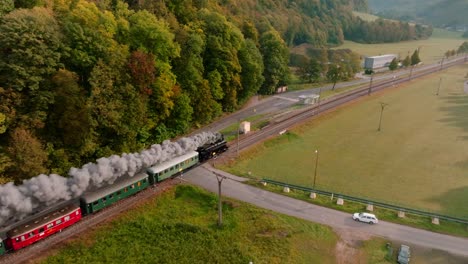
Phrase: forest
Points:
(82, 79)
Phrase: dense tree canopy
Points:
(83, 79)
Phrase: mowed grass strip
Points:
(180, 226)
(418, 159)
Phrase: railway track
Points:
(246, 141)
(33, 253)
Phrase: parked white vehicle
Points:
(366, 218)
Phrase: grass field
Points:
(431, 50)
(417, 160)
(365, 16)
(180, 227)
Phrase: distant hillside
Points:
(440, 13)
(400, 6)
(447, 13)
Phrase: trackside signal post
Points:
(220, 179)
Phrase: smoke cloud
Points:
(35, 194)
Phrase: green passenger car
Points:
(167, 169)
(94, 201)
(2, 247)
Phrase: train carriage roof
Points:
(94, 195)
(9, 225)
(167, 164)
(40, 220)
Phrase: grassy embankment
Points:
(179, 226)
(417, 160)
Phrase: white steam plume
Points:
(35, 194)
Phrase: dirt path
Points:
(347, 249)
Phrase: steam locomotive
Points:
(65, 214)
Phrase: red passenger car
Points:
(42, 226)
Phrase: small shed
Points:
(282, 89)
(309, 99)
(244, 127)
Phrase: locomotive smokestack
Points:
(16, 202)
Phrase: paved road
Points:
(234, 188)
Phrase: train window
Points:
(103, 199)
(31, 234)
(58, 221)
(111, 196)
(132, 186)
(144, 180)
(95, 203)
(67, 218)
(41, 230)
(17, 239)
(22, 238)
(139, 184)
(50, 225)
(126, 189)
(119, 192)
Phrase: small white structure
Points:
(376, 62)
(340, 201)
(244, 127)
(282, 89)
(309, 99)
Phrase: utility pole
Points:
(370, 84)
(318, 102)
(238, 132)
(438, 88)
(411, 72)
(382, 105)
(220, 179)
(316, 165)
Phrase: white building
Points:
(244, 127)
(376, 62)
(309, 99)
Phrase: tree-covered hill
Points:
(451, 13)
(440, 13)
(80, 80)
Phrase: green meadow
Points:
(430, 50)
(418, 159)
(180, 226)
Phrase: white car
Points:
(366, 218)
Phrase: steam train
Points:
(65, 214)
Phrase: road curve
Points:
(233, 187)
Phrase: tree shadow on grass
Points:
(453, 202)
(456, 112)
